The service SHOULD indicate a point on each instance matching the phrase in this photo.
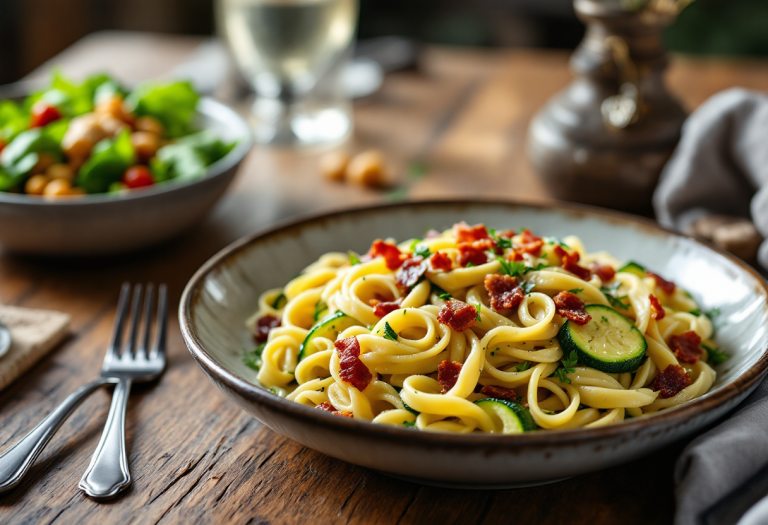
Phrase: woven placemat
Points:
(34, 333)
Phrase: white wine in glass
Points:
(291, 52)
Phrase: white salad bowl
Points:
(111, 223)
(224, 293)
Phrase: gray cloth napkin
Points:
(721, 167)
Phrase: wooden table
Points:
(194, 455)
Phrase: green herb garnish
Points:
(610, 294)
(715, 356)
(389, 333)
(576, 290)
(353, 259)
(409, 424)
(422, 251)
(522, 367)
(566, 367)
(445, 296)
(252, 359)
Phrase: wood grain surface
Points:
(195, 456)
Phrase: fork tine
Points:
(120, 316)
(130, 345)
(162, 322)
(149, 297)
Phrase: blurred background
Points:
(32, 31)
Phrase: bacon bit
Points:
(447, 374)
(264, 325)
(353, 371)
(686, 346)
(478, 388)
(474, 252)
(671, 381)
(432, 234)
(499, 392)
(410, 272)
(441, 261)
(667, 286)
(572, 308)
(343, 413)
(570, 261)
(392, 255)
(515, 256)
(380, 309)
(458, 315)
(604, 271)
(325, 406)
(529, 243)
(466, 233)
(507, 234)
(503, 291)
(657, 311)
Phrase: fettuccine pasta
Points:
(471, 330)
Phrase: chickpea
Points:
(150, 125)
(334, 165)
(113, 106)
(367, 169)
(110, 126)
(61, 171)
(146, 144)
(83, 133)
(36, 184)
(57, 188)
(44, 161)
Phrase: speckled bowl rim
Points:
(532, 440)
(208, 107)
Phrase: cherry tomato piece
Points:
(138, 177)
(2, 146)
(43, 113)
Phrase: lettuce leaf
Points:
(189, 157)
(71, 98)
(13, 120)
(23, 152)
(107, 163)
(174, 104)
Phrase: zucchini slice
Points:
(330, 328)
(514, 417)
(633, 267)
(609, 342)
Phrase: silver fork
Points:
(108, 474)
(15, 462)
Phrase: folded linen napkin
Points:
(720, 166)
(720, 171)
(33, 334)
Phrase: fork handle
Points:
(107, 475)
(15, 462)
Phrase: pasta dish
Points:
(477, 330)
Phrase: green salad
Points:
(96, 137)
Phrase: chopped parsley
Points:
(353, 259)
(522, 367)
(511, 268)
(566, 367)
(422, 251)
(479, 309)
(470, 265)
(252, 359)
(501, 242)
(414, 244)
(555, 240)
(389, 333)
(445, 296)
(715, 356)
(576, 290)
(603, 319)
(409, 424)
(527, 286)
(610, 294)
(279, 299)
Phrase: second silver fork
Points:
(108, 473)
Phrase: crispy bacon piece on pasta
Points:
(667, 286)
(382, 308)
(466, 233)
(325, 406)
(441, 261)
(343, 413)
(499, 392)
(503, 291)
(392, 255)
(604, 271)
(264, 325)
(432, 234)
(571, 307)
(671, 381)
(474, 252)
(529, 243)
(352, 370)
(570, 263)
(447, 374)
(657, 311)
(458, 315)
(686, 346)
(410, 272)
